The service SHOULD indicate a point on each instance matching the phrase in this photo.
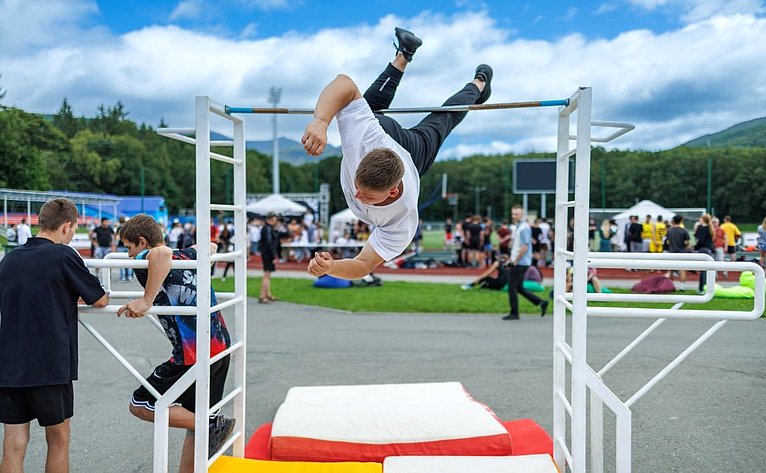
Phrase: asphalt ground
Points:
(707, 416)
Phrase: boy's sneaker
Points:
(220, 429)
(408, 43)
(484, 74)
(465, 287)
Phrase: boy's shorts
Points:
(50, 405)
(165, 375)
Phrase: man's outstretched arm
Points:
(358, 267)
(335, 96)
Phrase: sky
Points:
(676, 69)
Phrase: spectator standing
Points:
(647, 231)
(604, 236)
(719, 242)
(504, 236)
(40, 283)
(704, 235)
(520, 260)
(762, 242)
(615, 240)
(254, 235)
(417, 240)
(225, 245)
(174, 235)
(269, 251)
(474, 237)
(545, 242)
(658, 235)
(448, 232)
(677, 241)
(732, 234)
(636, 241)
(23, 232)
(103, 239)
(10, 234)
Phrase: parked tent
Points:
(339, 221)
(278, 204)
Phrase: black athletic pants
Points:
(423, 140)
(516, 287)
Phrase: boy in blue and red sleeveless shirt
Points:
(164, 286)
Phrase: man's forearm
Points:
(350, 269)
(159, 266)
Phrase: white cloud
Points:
(674, 86)
(27, 24)
(698, 10)
(187, 9)
(268, 4)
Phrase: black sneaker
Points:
(484, 74)
(511, 317)
(543, 308)
(408, 43)
(220, 429)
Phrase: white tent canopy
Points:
(278, 204)
(339, 221)
(642, 209)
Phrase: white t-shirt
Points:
(394, 224)
(23, 233)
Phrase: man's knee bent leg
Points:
(15, 439)
(141, 412)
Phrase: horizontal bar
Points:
(179, 137)
(226, 399)
(179, 131)
(226, 207)
(623, 128)
(447, 108)
(229, 303)
(568, 203)
(156, 310)
(568, 154)
(221, 143)
(229, 256)
(223, 296)
(227, 351)
(224, 159)
(122, 263)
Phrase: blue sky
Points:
(677, 69)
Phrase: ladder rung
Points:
(228, 256)
(568, 203)
(228, 351)
(225, 304)
(568, 154)
(225, 159)
(221, 143)
(226, 207)
(226, 399)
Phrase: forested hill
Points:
(107, 152)
(746, 134)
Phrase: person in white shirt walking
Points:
(23, 232)
(382, 162)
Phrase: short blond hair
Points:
(380, 170)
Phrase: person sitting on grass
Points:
(382, 161)
(164, 286)
(486, 281)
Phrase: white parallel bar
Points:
(237, 436)
(225, 207)
(156, 310)
(131, 263)
(226, 399)
(236, 346)
(201, 370)
(175, 131)
(120, 359)
(633, 344)
(649, 263)
(623, 128)
(566, 350)
(563, 398)
(565, 450)
(565, 254)
(651, 256)
(179, 137)
(229, 256)
(561, 351)
(703, 298)
(221, 143)
(568, 203)
(683, 314)
(229, 303)
(677, 361)
(222, 158)
(224, 296)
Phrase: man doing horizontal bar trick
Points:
(382, 162)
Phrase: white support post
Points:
(201, 368)
(559, 282)
(580, 278)
(240, 282)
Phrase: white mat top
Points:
(517, 464)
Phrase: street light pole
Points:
(477, 190)
(275, 93)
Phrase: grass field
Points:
(409, 297)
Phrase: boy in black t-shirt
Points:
(164, 286)
(40, 283)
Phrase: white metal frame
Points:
(199, 373)
(584, 379)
